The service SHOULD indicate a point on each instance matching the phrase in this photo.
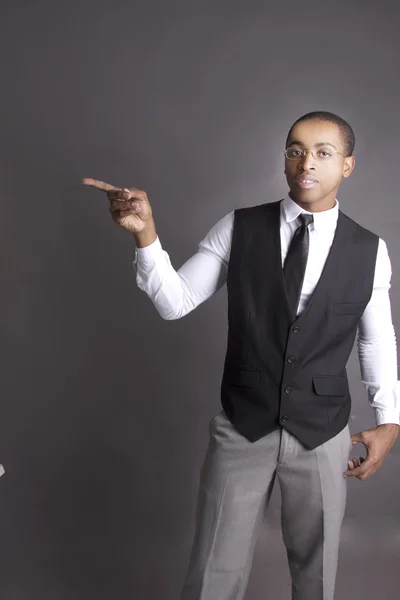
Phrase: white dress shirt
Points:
(176, 293)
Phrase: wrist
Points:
(147, 236)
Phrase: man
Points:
(302, 279)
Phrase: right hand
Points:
(129, 207)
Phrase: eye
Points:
(325, 153)
(294, 152)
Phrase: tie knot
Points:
(306, 219)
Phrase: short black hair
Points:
(346, 132)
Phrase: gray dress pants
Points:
(236, 482)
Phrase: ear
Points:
(349, 166)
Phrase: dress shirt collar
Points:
(325, 220)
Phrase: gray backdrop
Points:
(105, 406)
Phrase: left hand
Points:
(378, 442)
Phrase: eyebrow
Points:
(319, 143)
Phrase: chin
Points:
(303, 196)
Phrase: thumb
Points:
(357, 437)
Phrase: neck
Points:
(317, 205)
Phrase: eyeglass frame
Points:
(305, 152)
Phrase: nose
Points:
(307, 163)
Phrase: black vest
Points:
(284, 372)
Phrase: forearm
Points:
(165, 287)
(377, 351)
(176, 293)
(378, 366)
(156, 276)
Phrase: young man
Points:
(302, 279)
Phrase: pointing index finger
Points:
(99, 185)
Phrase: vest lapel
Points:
(279, 270)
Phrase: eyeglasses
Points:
(323, 153)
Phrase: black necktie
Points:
(296, 261)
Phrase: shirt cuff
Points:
(391, 412)
(387, 416)
(148, 254)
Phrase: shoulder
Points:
(359, 230)
(255, 211)
(383, 268)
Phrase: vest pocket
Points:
(327, 385)
(348, 308)
(241, 376)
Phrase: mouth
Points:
(305, 183)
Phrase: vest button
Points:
(291, 359)
(284, 418)
(296, 329)
(288, 390)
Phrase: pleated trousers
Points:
(236, 482)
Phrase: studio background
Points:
(104, 406)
